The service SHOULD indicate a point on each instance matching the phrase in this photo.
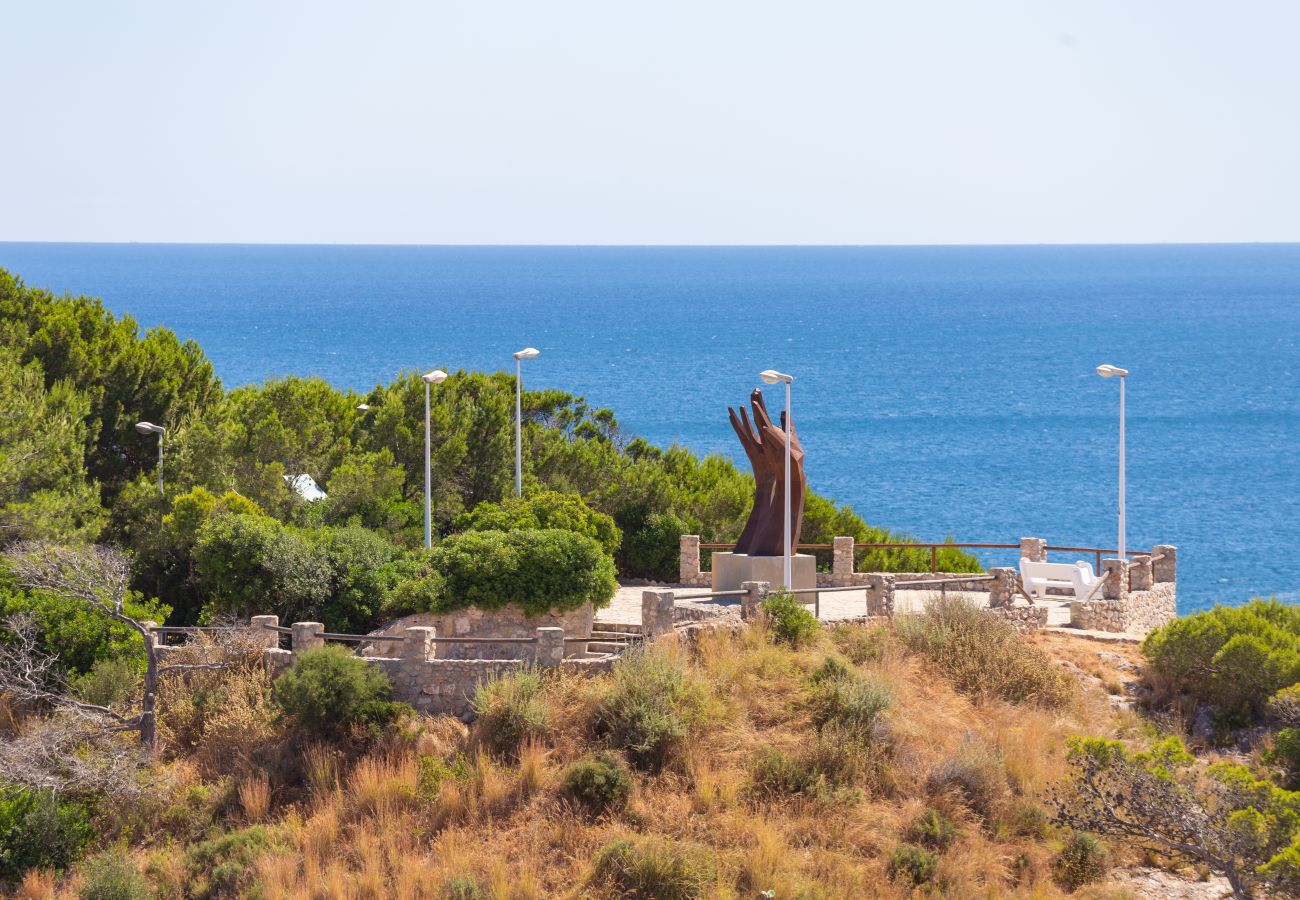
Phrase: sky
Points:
(701, 122)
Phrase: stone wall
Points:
(505, 622)
(1136, 597)
(1024, 618)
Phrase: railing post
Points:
(656, 613)
(755, 593)
(263, 629)
(1165, 569)
(1033, 549)
(1113, 581)
(880, 595)
(1140, 572)
(934, 558)
(689, 560)
(842, 559)
(155, 638)
(306, 636)
(419, 642)
(550, 647)
(1002, 589)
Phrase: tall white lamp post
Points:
(437, 376)
(1109, 371)
(772, 376)
(526, 353)
(150, 428)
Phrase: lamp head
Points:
(527, 353)
(1109, 371)
(772, 376)
(149, 428)
(437, 376)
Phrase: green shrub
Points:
(39, 830)
(537, 569)
(1286, 753)
(984, 656)
(933, 830)
(546, 509)
(1284, 707)
(464, 887)
(1232, 657)
(843, 698)
(328, 690)
(223, 866)
(652, 705)
(599, 782)
(651, 547)
(108, 683)
(780, 774)
(111, 876)
(510, 711)
(912, 864)
(655, 867)
(790, 620)
(1081, 861)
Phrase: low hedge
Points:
(538, 569)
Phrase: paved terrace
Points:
(835, 607)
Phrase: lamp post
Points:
(526, 353)
(772, 376)
(1109, 371)
(150, 428)
(437, 376)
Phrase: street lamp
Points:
(772, 376)
(526, 353)
(437, 376)
(1109, 371)
(150, 428)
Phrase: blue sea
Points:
(944, 391)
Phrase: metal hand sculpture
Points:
(764, 444)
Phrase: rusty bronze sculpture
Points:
(764, 444)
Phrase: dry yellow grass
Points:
(369, 826)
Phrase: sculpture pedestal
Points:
(731, 569)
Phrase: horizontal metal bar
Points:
(190, 629)
(280, 628)
(482, 640)
(709, 594)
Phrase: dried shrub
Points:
(111, 876)
(1083, 860)
(983, 655)
(976, 773)
(653, 703)
(511, 711)
(655, 867)
(600, 783)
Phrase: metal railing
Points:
(935, 547)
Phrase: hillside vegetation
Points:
(726, 766)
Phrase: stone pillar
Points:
(842, 560)
(880, 595)
(689, 561)
(1002, 589)
(306, 636)
(1033, 549)
(1166, 569)
(419, 643)
(550, 648)
(264, 633)
(1140, 573)
(155, 638)
(756, 593)
(656, 613)
(1113, 581)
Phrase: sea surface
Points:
(944, 391)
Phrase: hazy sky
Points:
(710, 121)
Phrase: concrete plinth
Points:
(730, 570)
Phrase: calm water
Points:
(944, 391)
